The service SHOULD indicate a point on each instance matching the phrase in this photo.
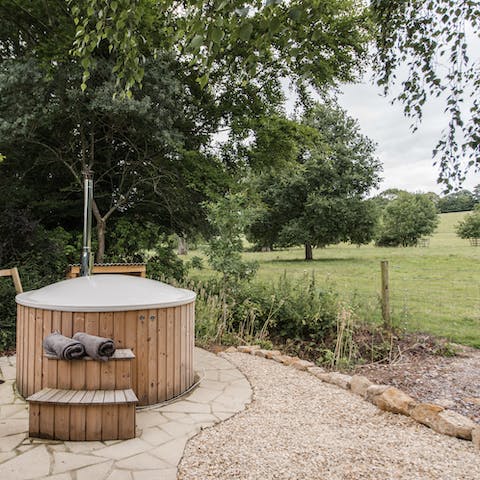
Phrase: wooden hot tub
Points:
(154, 320)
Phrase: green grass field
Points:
(435, 289)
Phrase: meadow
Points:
(433, 289)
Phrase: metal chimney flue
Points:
(86, 260)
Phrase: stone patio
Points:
(162, 432)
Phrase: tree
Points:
(228, 218)
(145, 152)
(319, 198)
(476, 193)
(322, 40)
(456, 202)
(405, 219)
(317, 42)
(469, 227)
(433, 40)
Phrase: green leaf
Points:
(245, 32)
(203, 80)
(217, 35)
(197, 41)
(275, 24)
(85, 63)
(295, 14)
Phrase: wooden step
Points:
(82, 414)
(83, 397)
(119, 354)
(90, 374)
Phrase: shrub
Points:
(41, 256)
(259, 312)
(469, 227)
(405, 219)
(164, 263)
(195, 262)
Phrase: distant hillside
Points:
(445, 234)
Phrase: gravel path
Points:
(300, 428)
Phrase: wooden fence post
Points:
(387, 320)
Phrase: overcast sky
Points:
(406, 156)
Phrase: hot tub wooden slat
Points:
(67, 324)
(119, 329)
(94, 422)
(52, 373)
(126, 427)
(78, 418)
(110, 420)
(30, 351)
(152, 379)
(18, 333)
(91, 323)
(142, 357)
(64, 375)
(78, 322)
(34, 420)
(162, 353)
(183, 347)
(79, 374)
(56, 321)
(123, 374)
(107, 375)
(37, 385)
(29, 318)
(169, 377)
(187, 347)
(92, 375)
(131, 341)
(178, 350)
(61, 421)
(47, 421)
(192, 343)
(106, 325)
(47, 330)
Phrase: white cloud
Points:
(406, 156)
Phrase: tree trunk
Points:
(308, 252)
(101, 228)
(182, 245)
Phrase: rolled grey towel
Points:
(63, 347)
(98, 348)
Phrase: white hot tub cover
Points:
(106, 293)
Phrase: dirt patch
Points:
(453, 382)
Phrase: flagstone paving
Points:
(162, 432)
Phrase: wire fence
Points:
(442, 300)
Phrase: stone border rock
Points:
(385, 397)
